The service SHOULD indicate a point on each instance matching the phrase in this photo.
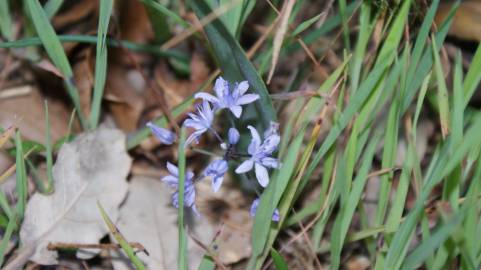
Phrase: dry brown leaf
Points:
(77, 12)
(84, 79)
(27, 113)
(466, 22)
(91, 169)
(134, 22)
(175, 90)
(125, 102)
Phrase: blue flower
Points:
(165, 136)
(253, 210)
(260, 153)
(201, 122)
(216, 170)
(233, 137)
(225, 98)
(189, 190)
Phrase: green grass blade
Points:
(182, 252)
(279, 261)
(164, 11)
(6, 238)
(345, 26)
(52, 7)
(207, 263)
(144, 48)
(348, 207)
(442, 94)
(429, 245)
(124, 244)
(235, 65)
(5, 20)
(473, 76)
(55, 51)
(306, 24)
(417, 74)
(268, 202)
(100, 61)
(366, 25)
(21, 177)
(48, 151)
(386, 56)
(443, 165)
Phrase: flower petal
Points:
(236, 110)
(276, 215)
(255, 142)
(194, 137)
(246, 99)
(206, 96)
(270, 162)
(253, 208)
(270, 144)
(193, 124)
(242, 87)
(233, 135)
(172, 169)
(245, 166)
(170, 180)
(262, 175)
(165, 136)
(216, 183)
(272, 130)
(221, 87)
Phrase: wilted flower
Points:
(225, 98)
(165, 136)
(216, 170)
(201, 122)
(189, 190)
(253, 210)
(260, 153)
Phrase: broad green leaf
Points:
(234, 63)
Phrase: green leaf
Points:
(163, 11)
(6, 238)
(48, 151)
(52, 7)
(306, 24)
(21, 177)
(100, 61)
(234, 63)
(429, 245)
(279, 261)
(207, 263)
(5, 20)
(145, 48)
(124, 244)
(270, 199)
(55, 51)
(182, 252)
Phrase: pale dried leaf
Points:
(279, 37)
(93, 168)
(27, 112)
(147, 217)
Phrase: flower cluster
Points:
(259, 156)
